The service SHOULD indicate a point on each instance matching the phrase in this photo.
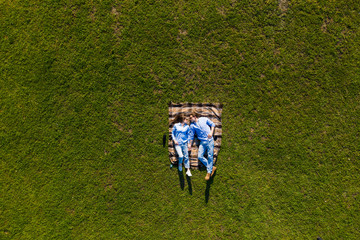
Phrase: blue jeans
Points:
(207, 146)
(182, 151)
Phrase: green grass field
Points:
(84, 93)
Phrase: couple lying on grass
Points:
(183, 136)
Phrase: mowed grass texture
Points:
(84, 94)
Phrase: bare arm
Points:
(173, 135)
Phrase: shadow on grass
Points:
(208, 186)
(181, 180)
(188, 179)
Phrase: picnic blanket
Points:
(210, 110)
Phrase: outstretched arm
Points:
(211, 132)
(191, 137)
(212, 127)
(173, 135)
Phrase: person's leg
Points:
(186, 159)
(210, 153)
(186, 155)
(181, 156)
(202, 149)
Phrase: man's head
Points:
(193, 116)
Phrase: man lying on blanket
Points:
(204, 129)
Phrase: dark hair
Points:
(179, 118)
(195, 114)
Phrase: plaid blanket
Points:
(210, 110)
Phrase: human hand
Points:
(176, 142)
(209, 135)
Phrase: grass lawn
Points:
(84, 93)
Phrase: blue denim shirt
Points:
(180, 133)
(202, 128)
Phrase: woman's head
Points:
(179, 118)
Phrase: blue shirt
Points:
(202, 128)
(180, 133)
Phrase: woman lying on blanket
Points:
(180, 135)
